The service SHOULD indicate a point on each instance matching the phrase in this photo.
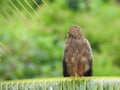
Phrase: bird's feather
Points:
(77, 58)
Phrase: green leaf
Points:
(83, 83)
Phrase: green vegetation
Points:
(31, 44)
(91, 83)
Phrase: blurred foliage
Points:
(74, 4)
(79, 4)
(36, 42)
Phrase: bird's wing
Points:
(64, 65)
(89, 57)
(89, 50)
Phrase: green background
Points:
(32, 36)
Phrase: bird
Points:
(77, 58)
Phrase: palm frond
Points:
(72, 83)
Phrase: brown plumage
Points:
(77, 58)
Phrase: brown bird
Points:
(77, 58)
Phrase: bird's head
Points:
(75, 32)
